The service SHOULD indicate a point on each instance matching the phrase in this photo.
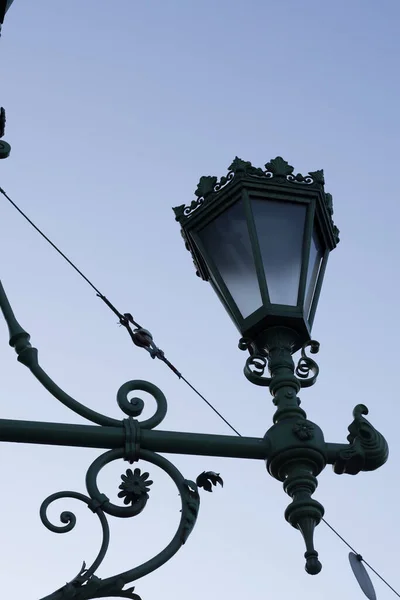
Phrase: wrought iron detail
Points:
(278, 167)
(307, 365)
(276, 170)
(135, 486)
(254, 370)
(368, 449)
(191, 503)
(304, 513)
(134, 491)
(294, 450)
(208, 479)
(303, 430)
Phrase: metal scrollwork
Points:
(254, 369)
(208, 479)
(191, 502)
(69, 521)
(368, 449)
(135, 406)
(277, 171)
(134, 487)
(307, 365)
(299, 178)
(135, 493)
(101, 499)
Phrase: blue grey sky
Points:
(115, 109)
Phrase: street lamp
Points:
(262, 239)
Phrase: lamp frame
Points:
(278, 184)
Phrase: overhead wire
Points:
(360, 557)
(142, 338)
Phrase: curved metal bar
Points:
(69, 519)
(306, 365)
(28, 356)
(190, 501)
(254, 370)
(67, 400)
(134, 407)
(87, 585)
(101, 499)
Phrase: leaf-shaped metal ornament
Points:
(361, 575)
(279, 167)
(207, 479)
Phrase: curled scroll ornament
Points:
(134, 407)
(307, 365)
(69, 521)
(134, 488)
(254, 369)
(367, 450)
(86, 585)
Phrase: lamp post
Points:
(262, 238)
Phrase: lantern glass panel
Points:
(280, 231)
(226, 241)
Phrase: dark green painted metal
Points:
(28, 356)
(318, 288)
(297, 450)
(308, 231)
(277, 183)
(61, 434)
(256, 248)
(293, 448)
(85, 574)
(170, 442)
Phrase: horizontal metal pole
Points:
(333, 450)
(61, 434)
(204, 444)
(95, 436)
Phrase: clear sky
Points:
(115, 109)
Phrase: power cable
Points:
(139, 336)
(142, 338)
(361, 558)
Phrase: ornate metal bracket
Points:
(294, 450)
(257, 362)
(134, 491)
(135, 484)
(298, 452)
(367, 450)
(307, 365)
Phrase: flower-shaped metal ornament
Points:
(135, 487)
